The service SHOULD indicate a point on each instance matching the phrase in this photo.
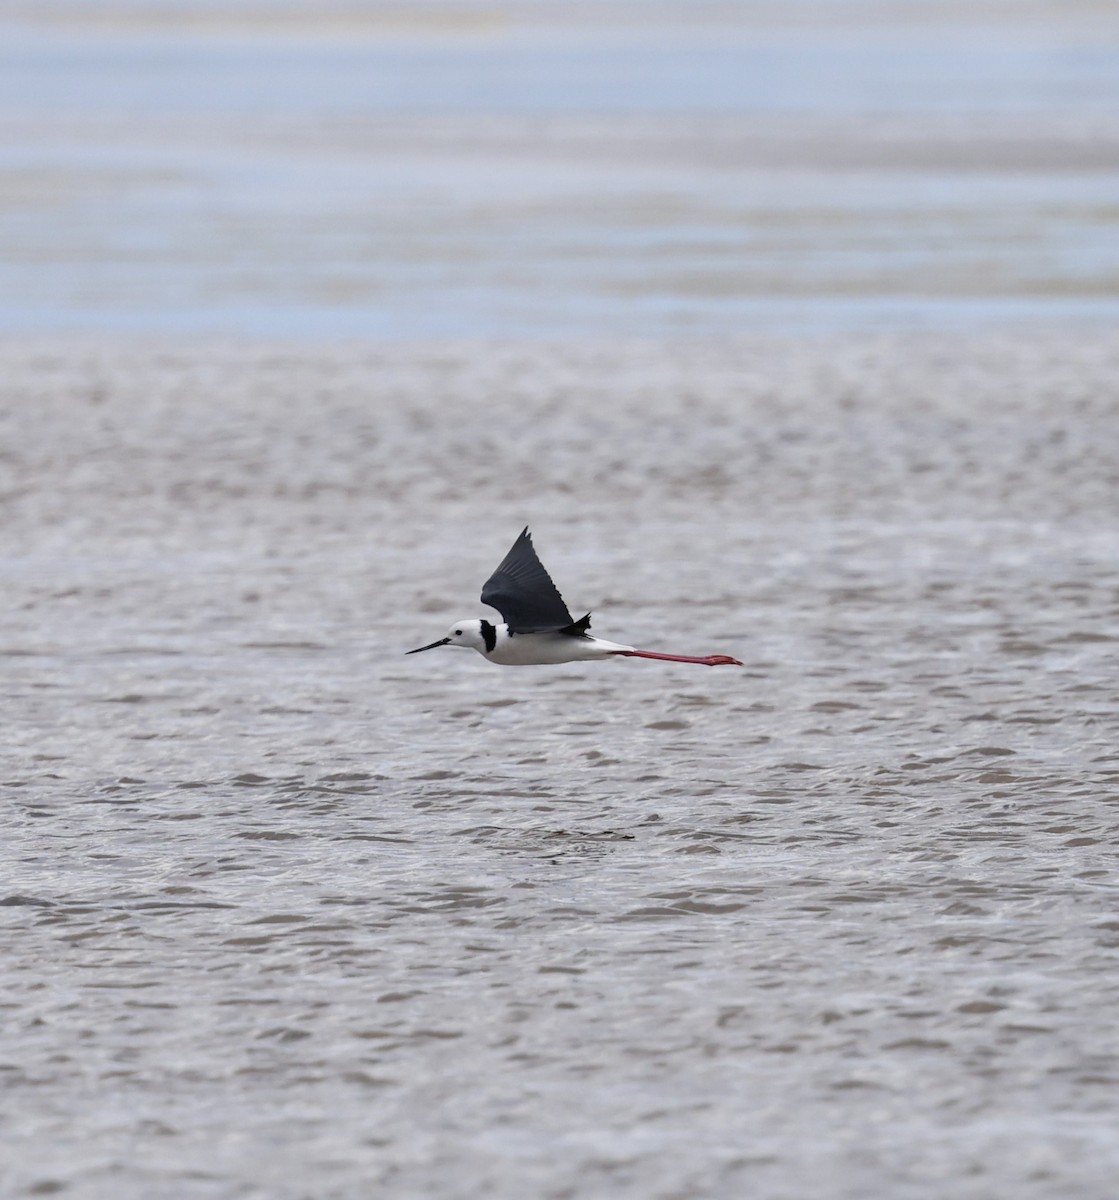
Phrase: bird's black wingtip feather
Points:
(577, 628)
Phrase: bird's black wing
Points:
(523, 592)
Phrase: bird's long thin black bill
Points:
(441, 642)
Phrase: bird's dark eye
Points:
(458, 633)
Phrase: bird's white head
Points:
(470, 635)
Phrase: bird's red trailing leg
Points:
(706, 660)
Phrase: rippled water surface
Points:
(288, 914)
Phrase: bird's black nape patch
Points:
(489, 636)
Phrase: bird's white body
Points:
(529, 649)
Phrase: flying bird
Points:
(536, 628)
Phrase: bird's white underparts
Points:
(536, 628)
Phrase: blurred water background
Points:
(553, 168)
(790, 328)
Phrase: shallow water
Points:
(288, 914)
(278, 170)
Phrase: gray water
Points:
(289, 914)
(791, 331)
(559, 169)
